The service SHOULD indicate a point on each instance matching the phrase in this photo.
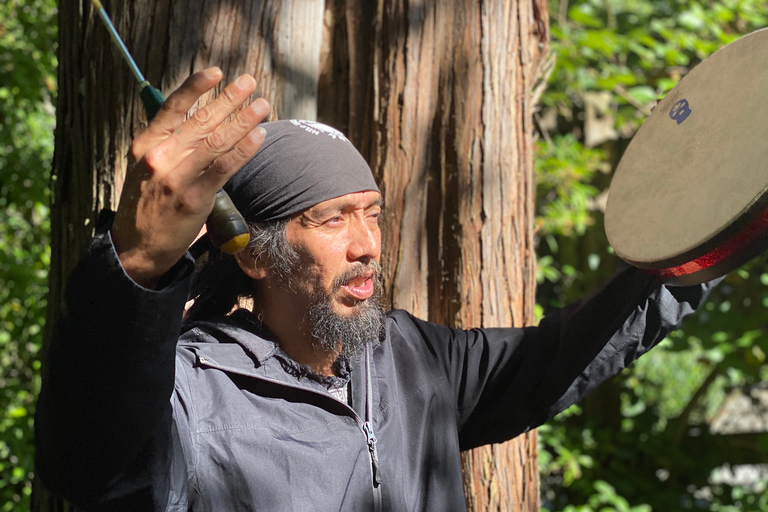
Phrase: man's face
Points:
(337, 277)
(339, 244)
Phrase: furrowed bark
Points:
(448, 133)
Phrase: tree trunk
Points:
(447, 128)
(436, 94)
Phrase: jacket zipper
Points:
(368, 426)
(365, 427)
(370, 436)
(371, 441)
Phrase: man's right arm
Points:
(104, 425)
(103, 421)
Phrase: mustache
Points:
(356, 271)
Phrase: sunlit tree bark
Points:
(445, 119)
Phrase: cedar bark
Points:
(447, 129)
(437, 95)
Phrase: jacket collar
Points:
(240, 328)
(240, 334)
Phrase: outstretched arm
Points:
(506, 381)
(574, 350)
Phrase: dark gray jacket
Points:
(133, 418)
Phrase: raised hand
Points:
(180, 165)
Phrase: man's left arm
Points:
(509, 380)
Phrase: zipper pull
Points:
(371, 440)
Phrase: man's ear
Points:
(252, 266)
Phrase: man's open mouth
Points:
(360, 287)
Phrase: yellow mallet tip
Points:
(236, 244)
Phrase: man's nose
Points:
(365, 241)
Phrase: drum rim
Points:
(741, 256)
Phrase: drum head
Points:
(696, 173)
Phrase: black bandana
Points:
(300, 164)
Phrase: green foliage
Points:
(564, 168)
(565, 200)
(637, 49)
(605, 499)
(27, 93)
(642, 442)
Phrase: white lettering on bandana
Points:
(318, 128)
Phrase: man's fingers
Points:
(195, 132)
(225, 137)
(207, 119)
(175, 108)
(201, 191)
(173, 113)
(170, 155)
(230, 162)
(232, 138)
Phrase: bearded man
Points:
(311, 398)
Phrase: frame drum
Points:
(689, 200)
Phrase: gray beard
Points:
(365, 325)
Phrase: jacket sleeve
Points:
(508, 381)
(104, 421)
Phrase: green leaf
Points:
(17, 412)
(585, 15)
(599, 41)
(643, 94)
(691, 20)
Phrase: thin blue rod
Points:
(116, 38)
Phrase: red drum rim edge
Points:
(727, 256)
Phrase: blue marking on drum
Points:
(680, 111)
